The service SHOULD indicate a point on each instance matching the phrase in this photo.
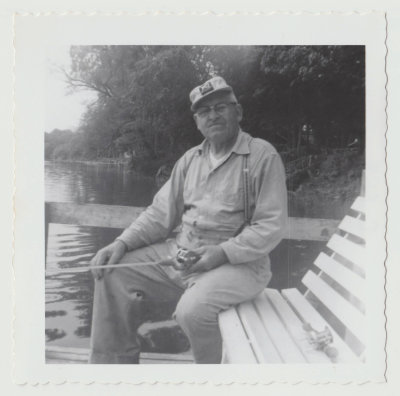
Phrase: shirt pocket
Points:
(230, 197)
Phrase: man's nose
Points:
(213, 113)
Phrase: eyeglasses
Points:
(219, 108)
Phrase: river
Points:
(69, 296)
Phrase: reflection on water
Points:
(107, 184)
(69, 296)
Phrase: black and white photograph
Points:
(205, 204)
(198, 205)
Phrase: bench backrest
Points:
(336, 288)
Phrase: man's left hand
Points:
(210, 257)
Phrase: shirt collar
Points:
(240, 147)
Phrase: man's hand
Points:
(210, 257)
(111, 254)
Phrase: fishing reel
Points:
(183, 260)
(321, 340)
(186, 258)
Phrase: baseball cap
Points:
(210, 87)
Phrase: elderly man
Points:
(211, 191)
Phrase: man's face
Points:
(218, 124)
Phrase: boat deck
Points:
(63, 355)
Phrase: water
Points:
(107, 184)
(69, 296)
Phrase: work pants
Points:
(126, 297)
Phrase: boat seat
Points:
(324, 324)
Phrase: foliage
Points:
(301, 98)
(320, 88)
(56, 143)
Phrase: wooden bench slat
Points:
(353, 226)
(282, 315)
(349, 250)
(310, 315)
(233, 335)
(258, 336)
(278, 333)
(294, 327)
(348, 279)
(351, 317)
(359, 205)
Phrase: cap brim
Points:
(206, 96)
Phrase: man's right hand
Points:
(111, 254)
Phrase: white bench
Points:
(275, 327)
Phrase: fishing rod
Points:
(109, 266)
(183, 260)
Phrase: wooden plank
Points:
(259, 338)
(310, 315)
(114, 216)
(359, 205)
(66, 355)
(237, 347)
(146, 359)
(172, 358)
(353, 226)
(149, 359)
(283, 342)
(350, 280)
(78, 351)
(310, 229)
(94, 215)
(362, 188)
(348, 249)
(295, 327)
(62, 361)
(351, 317)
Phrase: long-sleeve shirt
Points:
(210, 203)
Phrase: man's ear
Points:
(239, 110)
(196, 120)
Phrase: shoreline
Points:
(113, 161)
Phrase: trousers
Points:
(126, 297)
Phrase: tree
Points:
(319, 86)
(141, 101)
(55, 143)
(300, 98)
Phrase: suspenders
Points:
(246, 190)
(246, 193)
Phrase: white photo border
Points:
(35, 33)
